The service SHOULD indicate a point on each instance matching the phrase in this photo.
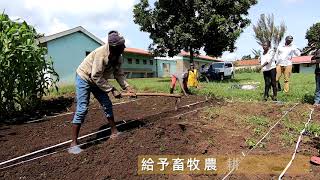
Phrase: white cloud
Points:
(98, 16)
(112, 24)
(128, 42)
(292, 1)
(57, 26)
(227, 56)
(79, 7)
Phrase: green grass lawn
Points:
(302, 87)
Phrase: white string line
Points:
(39, 157)
(248, 152)
(125, 102)
(69, 141)
(22, 162)
(189, 112)
(54, 146)
(68, 113)
(193, 104)
(48, 117)
(297, 145)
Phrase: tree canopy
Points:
(191, 25)
(266, 31)
(313, 37)
(246, 57)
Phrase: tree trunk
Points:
(191, 55)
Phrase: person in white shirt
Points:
(284, 56)
(268, 66)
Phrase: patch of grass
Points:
(212, 112)
(314, 129)
(259, 121)
(162, 148)
(251, 143)
(257, 131)
(260, 124)
(288, 138)
(247, 70)
(302, 87)
(62, 90)
(294, 127)
(291, 131)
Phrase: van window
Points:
(228, 65)
(217, 65)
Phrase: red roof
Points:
(183, 53)
(137, 51)
(252, 62)
(301, 60)
(295, 60)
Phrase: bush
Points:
(23, 65)
(247, 70)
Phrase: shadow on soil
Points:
(45, 108)
(130, 125)
(316, 142)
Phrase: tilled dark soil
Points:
(153, 128)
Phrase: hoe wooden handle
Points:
(152, 94)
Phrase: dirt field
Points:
(154, 128)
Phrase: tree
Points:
(256, 53)
(313, 37)
(247, 57)
(190, 25)
(266, 31)
(23, 65)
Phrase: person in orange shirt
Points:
(182, 78)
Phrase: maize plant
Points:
(23, 65)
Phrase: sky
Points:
(101, 16)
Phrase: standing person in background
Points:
(268, 67)
(203, 73)
(316, 59)
(284, 56)
(193, 77)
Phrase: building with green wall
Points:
(181, 63)
(69, 48)
(139, 63)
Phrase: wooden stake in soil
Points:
(176, 104)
